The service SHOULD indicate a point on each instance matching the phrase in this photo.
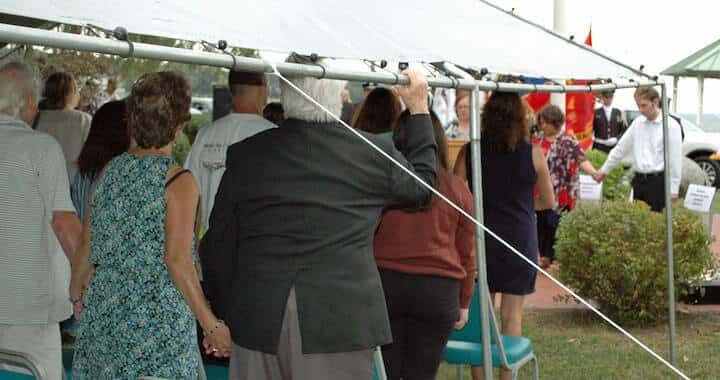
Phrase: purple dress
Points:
(508, 182)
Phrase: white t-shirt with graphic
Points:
(207, 156)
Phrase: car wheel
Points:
(711, 168)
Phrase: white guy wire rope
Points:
(487, 230)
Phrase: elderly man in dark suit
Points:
(608, 124)
(288, 258)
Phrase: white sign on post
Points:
(589, 189)
(699, 198)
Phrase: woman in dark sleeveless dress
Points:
(511, 167)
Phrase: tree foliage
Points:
(86, 65)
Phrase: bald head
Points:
(249, 91)
(19, 91)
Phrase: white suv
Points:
(697, 145)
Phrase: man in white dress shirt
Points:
(644, 139)
(207, 155)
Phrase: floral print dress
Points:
(135, 322)
(564, 156)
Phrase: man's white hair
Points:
(324, 91)
(19, 83)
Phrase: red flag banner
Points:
(579, 114)
(537, 100)
(580, 110)
(588, 39)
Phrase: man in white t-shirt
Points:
(206, 159)
(37, 226)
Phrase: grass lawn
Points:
(575, 344)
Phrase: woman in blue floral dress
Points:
(140, 305)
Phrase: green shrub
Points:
(181, 149)
(616, 256)
(617, 184)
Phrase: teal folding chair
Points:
(22, 361)
(216, 371)
(378, 365)
(67, 360)
(508, 352)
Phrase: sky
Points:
(656, 34)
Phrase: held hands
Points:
(217, 341)
(77, 297)
(77, 304)
(462, 319)
(599, 176)
(414, 95)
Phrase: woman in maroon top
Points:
(427, 265)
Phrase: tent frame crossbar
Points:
(61, 40)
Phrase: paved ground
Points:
(547, 290)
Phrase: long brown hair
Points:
(57, 88)
(378, 112)
(107, 139)
(441, 159)
(504, 121)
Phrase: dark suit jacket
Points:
(298, 207)
(605, 129)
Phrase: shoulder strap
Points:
(196, 227)
(174, 177)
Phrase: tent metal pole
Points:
(675, 92)
(668, 226)
(60, 40)
(559, 27)
(701, 94)
(479, 233)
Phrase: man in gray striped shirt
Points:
(37, 224)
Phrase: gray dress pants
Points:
(291, 364)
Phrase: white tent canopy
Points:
(470, 33)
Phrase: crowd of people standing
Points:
(314, 250)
